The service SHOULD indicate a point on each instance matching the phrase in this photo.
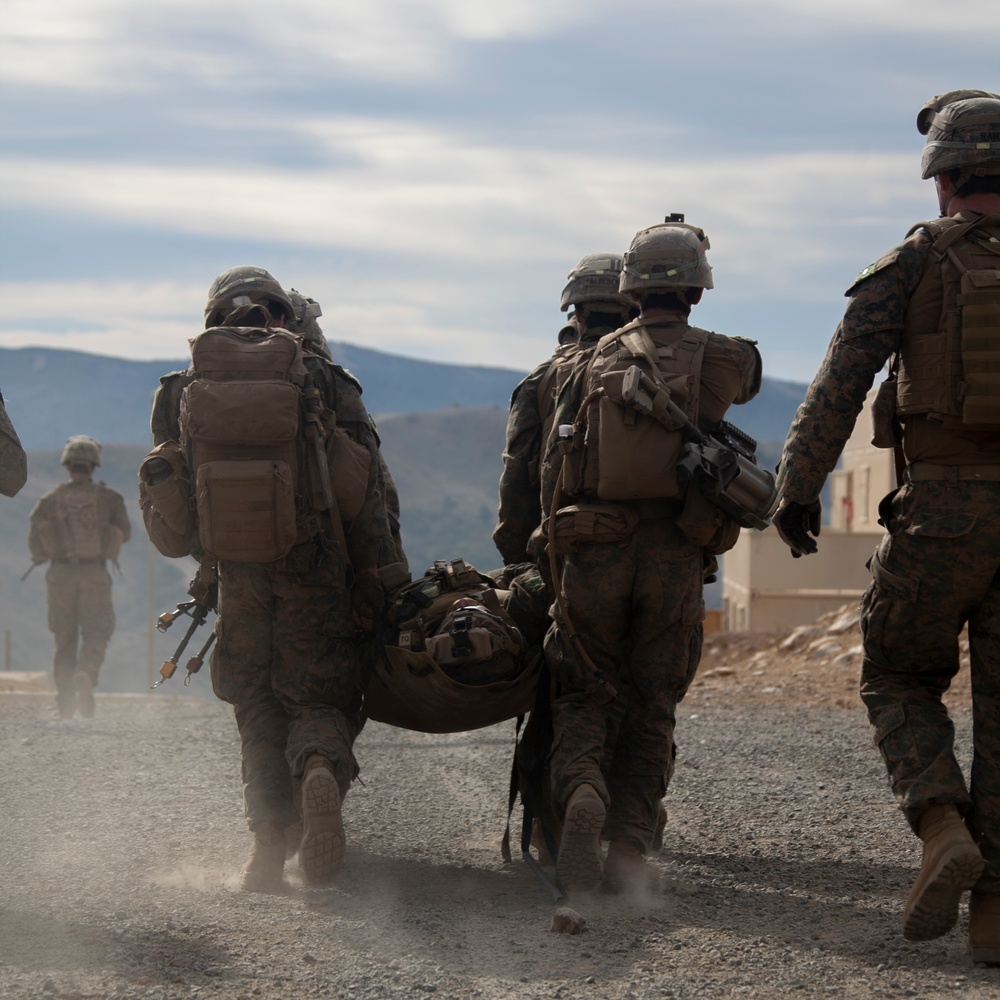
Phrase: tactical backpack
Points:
(950, 360)
(456, 660)
(616, 452)
(251, 474)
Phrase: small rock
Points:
(309, 959)
(566, 920)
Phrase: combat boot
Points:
(984, 928)
(661, 825)
(321, 852)
(626, 870)
(84, 688)
(293, 839)
(951, 864)
(580, 864)
(264, 870)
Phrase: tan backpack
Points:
(616, 452)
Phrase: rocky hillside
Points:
(813, 665)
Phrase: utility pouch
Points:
(165, 499)
(349, 464)
(591, 524)
(706, 524)
(885, 425)
(246, 510)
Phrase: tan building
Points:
(764, 589)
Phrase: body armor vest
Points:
(949, 359)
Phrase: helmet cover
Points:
(668, 256)
(81, 448)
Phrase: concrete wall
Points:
(764, 589)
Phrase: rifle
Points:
(198, 614)
(27, 572)
(205, 597)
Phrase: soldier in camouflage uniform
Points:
(637, 599)
(932, 304)
(13, 461)
(77, 527)
(287, 657)
(598, 308)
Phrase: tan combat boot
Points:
(580, 865)
(265, 867)
(84, 688)
(661, 825)
(626, 870)
(293, 840)
(984, 928)
(321, 852)
(952, 863)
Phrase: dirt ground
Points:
(783, 872)
(815, 665)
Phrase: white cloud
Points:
(108, 44)
(863, 16)
(99, 43)
(426, 195)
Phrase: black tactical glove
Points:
(798, 525)
(367, 599)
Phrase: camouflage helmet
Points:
(594, 279)
(81, 448)
(243, 286)
(303, 321)
(963, 133)
(669, 256)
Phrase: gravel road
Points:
(784, 870)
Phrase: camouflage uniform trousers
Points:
(82, 619)
(287, 660)
(639, 607)
(936, 570)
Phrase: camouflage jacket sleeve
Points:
(41, 513)
(118, 515)
(369, 536)
(13, 461)
(867, 336)
(519, 510)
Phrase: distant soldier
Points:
(932, 305)
(13, 462)
(77, 527)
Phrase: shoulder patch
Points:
(340, 370)
(866, 272)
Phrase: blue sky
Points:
(430, 170)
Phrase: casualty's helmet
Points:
(303, 322)
(963, 133)
(594, 279)
(81, 448)
(246, 285)
(667, 257)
